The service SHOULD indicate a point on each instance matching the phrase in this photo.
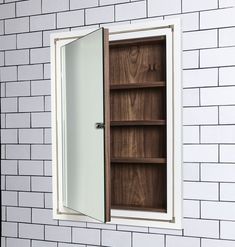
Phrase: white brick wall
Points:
(208, 118)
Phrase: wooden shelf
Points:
(138, 208)
(139, 160)
(137, 123)
(137, 85)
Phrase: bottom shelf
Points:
(138, 186)
(121, 207)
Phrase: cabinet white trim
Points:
(172, 219)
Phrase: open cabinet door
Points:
(86, 172)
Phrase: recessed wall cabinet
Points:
(116, 100)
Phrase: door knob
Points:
(99, 125)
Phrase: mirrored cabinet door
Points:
(83, 119)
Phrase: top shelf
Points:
(137, 85)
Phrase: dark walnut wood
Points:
(135, 185)
(144, 104)
(138, 142)
(138, 63)
(138, 124)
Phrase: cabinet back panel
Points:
(141, 142)
(138, 104)
(138, 62)
(137, 186)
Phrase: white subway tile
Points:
(191, 5)
(218, 172)
(191, 97)
(31, 231)
(217, 57)
(11, 242)
(2, 59)
(7, 10)
(107, 2)
(9, 229)
(227, 191)
(200, 153)
(116, 238)
(31, 199)
(18, 214)
(130, 228)
(31, 136)
(199, 39)
(200, 77)
(41, 87)
(191, 171)
(227, 230)
(70, 19)
(17, 57)
(18, 88)
(18, 152)
(30, 72)
(132, 10)
(43, 184)
(226, 3)
(217, 18)
(31, 104)
(37, 243)
(58, 233)
(218, 96)
(29, 40)
(17, 25)
(172, 241)
(47, 103)
(190, 59)
(47, 168)
(150, 240)
(9, 167)
(54, 5)
(75, 4)
(1, 27)
(43, 216)
(217, 243)
(8, 73)
(41, 152)
(86, 236)
(99, 15)
(18, 183)
(201, 191)
(218, 134)
(227, 153)
(30, 167)
(200, 115)
(157, 7)
(40, 55)
(18, 120)
(191, 134)
(227, 36)
(48, 136)
(8, 136)
(226, 76)
(31, 7)
(41, 119)
(218, 210)
(72, 245)
(9, 104)
(42, 22)
(9, 198)
(191, 209)
(201, 228)
(47, 71)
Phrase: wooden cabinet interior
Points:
(138, 124)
